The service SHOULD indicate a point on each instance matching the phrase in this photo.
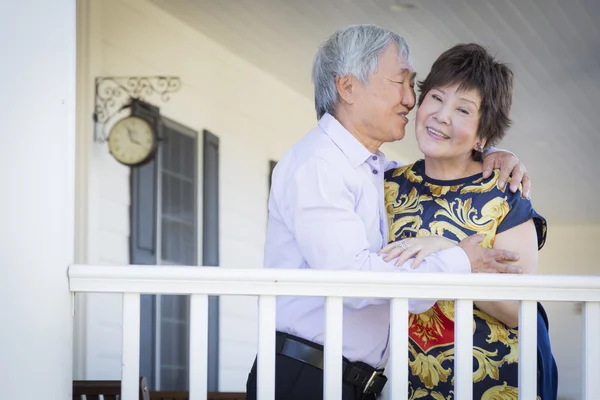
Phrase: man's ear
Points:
(345, 86)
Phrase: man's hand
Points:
(488, 260)
(509, 165)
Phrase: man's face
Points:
(381, 107)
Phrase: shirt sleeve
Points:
(520, 211)
(495, 150)
(393, 165)
(318, 207)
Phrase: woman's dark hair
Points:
(473, 67)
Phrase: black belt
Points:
(371, 380)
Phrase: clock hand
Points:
(131, 136)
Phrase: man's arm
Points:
(318, 208)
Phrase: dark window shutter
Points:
(210, 192)
(143, 204)
(210, 246)
(142, 250)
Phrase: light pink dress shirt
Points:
(326, 211)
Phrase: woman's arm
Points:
(522, 239)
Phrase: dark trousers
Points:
(296, 380)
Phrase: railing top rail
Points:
(281, 282)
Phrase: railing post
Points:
(198, 346)
(528, 350)
(266, 348)
(398, 371)
(334, 311)
(130, 373)
(463, 354)
(591, 350)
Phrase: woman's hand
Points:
(419, 248)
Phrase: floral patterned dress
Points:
(420, 206)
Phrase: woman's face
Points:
(447, 121)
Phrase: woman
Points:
(464, 106)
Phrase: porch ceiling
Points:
(553, 47)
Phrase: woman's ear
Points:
(345, 86)
(480, 145)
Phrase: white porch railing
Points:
(268, 283)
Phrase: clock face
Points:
(132, 141)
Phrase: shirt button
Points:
(374, 158)
(375, 171)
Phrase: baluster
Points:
(332, 388)
(463, 353)
(591, 350)
(198, 346)
(130, 372)
(266, 348)
(398, 371)
(528, 350)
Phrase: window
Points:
(164, 226)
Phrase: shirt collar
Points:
(345, 141)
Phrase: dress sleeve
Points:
(521, 211)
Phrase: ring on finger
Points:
(403, 244)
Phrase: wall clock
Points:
(133, 141)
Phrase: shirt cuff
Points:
(495, 150)
(457, 261)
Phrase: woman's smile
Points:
(437, 135)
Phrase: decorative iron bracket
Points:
(114, 94)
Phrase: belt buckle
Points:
(371, 380)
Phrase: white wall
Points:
(570, 249)
(37, 164)
(256, 118)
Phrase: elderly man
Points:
(326, 212)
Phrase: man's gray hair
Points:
(352, 51)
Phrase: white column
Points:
(37, 142)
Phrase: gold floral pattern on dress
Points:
(419, 208)
(447, 307)
(417, 394)
(487, 366)
(401, 204)
(460, 216)
(439, 396)
(408, 173)
(428, 368)
(438, 190)
(498, 331)
(501, 392)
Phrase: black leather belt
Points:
(371, 380)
